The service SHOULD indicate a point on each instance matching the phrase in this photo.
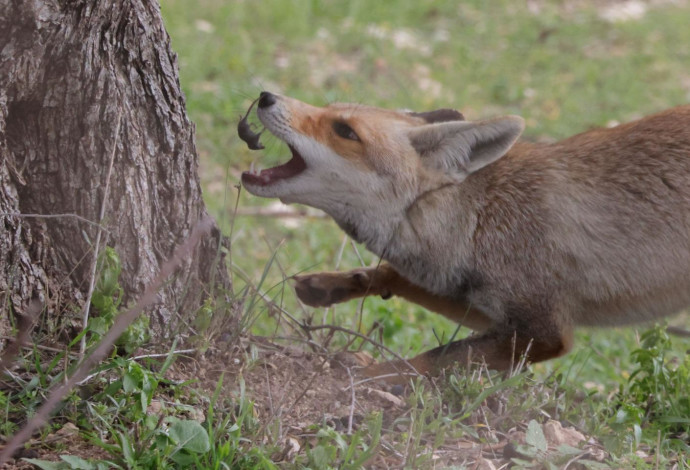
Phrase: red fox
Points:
(519, 241)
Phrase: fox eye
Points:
(345, 131)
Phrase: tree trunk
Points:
(90, 99)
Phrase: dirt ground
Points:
(296, 392)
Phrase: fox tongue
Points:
(269, 176)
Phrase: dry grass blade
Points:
(352, 402)
(99, 233)
(121, 323)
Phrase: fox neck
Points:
(371, 227)
(430, 252)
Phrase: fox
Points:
(522, 242)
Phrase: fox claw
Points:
(310, 293)
(324, 289)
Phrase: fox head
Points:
(355, 161)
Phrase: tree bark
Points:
(90, 99)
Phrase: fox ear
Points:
(439, 115)
(465, 146)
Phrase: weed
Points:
(655, 398)
(106, 298)
(334, 449)
(123, 421)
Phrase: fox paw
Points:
(324, 289)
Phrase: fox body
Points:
(521, 242)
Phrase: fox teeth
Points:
(251, 168)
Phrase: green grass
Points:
(563, 68)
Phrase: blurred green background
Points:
(565, 66)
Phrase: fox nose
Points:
(266, 99)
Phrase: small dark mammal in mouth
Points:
(244, 130)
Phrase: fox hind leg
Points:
(500, 347)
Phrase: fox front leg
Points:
(328, 288)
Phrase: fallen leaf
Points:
(556, 434)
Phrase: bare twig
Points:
(352, 403)
(29, 345)
(678, 331)
(279, 213)
(409, 441)
(658, 449)
(97, 245)
(386, 376)
(304, 390)
(338, 259)
(149, 356)
(135, 358)
(308, 387)
(359, 256)
(351, 332)
(300, 339)
(575, 459)
(54, 216)
(121, 323)
(268, 388)
(341, 251)
(232, 229)
(279, 308)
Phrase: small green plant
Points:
(71, 462)
(536, 453)
(176, 445)
(337, 450)
(7, 427)
(535, 446)
(122, 420)
(656, 396)
(106, 298)
(234, 434)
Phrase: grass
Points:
(561, 66)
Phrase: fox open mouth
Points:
(295, 166)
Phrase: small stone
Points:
(154, 408)
(68, 430)
(291, 449)
(386, 397)
(483, 464)
(197, 414)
